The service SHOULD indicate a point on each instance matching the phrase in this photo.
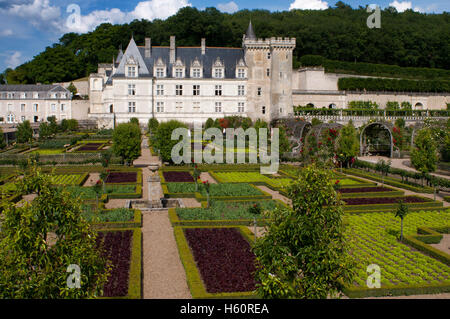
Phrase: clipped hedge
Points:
(417, 243)
(194, 280)
(392, 85)
(387, 207)
(400, 290)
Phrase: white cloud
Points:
(228, 7)
(14, 59)
(6, 33)
(42, 15)
(401, 6)
(309, 4)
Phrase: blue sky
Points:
(28, 26)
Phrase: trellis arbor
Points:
(376, 139)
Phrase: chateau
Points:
(192, 84)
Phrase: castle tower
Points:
(269, 86)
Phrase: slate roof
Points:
(228, 56)
(31, 88)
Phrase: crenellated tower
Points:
(269, 88)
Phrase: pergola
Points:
(383, 125)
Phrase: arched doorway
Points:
(376, 139)
(111, 109)
(332, 106)
(310, 105)
(418, 106)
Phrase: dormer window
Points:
(178, 72)
(131, 71)
(218, 73)
(159, 69)
(196, 73)
(218, 69)
(241, 73)
(159, 72)
(196, 69)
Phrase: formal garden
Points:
(363, 213)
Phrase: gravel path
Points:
(204, 176)
(191, 202)
(164, 275)
(92, 179)
(115, 203)
(275, 194)
(444, 245)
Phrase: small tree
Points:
(424, 155)
(209, 123)
(152, 125)
(105, 158)
(134, 121)
(401, 212)
(44, 130)
(39, 241)
(53, 126)
(304, 253)
(196, 175)
(2, 139)
(162, 138)
(72, 88)
(72, 125)
(24, 132)
(127, 142)
(347, 144)
(207, 185)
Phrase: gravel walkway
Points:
(204, 176)
(191, 203)
(164, 275)
(92, 179)
(444, 245)
(275, 194)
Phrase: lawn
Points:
(373, 238)
(220, 210)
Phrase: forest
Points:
(407, 39)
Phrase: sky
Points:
(27, 27)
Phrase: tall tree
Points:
(304, 253)
(347, 144)
(24, 132)
(163, 141)
(424, 153)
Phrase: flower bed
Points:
(404, 270)
(224, 259)
(384, 200)
(117, 248)
(364, 190)
(121, 177)
(250, 177)
(171, 177)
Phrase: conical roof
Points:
(250, 34)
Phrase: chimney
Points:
(203, 46)
(148, 47)
(172, 49)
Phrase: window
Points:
(241, 107)
(131, 89)
(218, 90)
(159, 72)
(131, 107)
(159, 107)
(268, 72)
(218, 107)
(10, 95)
(62, 107)
(159, 89)
(10, 107)
(53, 107)
(196, 106)
(241, 90)
(132, 71)
(35, 107)
(22, 107)
(259, 91)
(268, 55)
(196, 73)
(178, 89)
(281, 75)
(24, 95)
(35, 95)
(10, 118)
(179, 106)
(281, 110)
(241, 73)
(218, 73)
(36, 119)
(196, 89)
(22, 118)
(263, 110)
(178, 72)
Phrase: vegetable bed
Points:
(121, 177)
(225, 210)
(68, 179)
(241, 189)
(404, 270)
(364, 190)
(90, 147)
(117, 248)
(224, 259)
(384, 200)
(250, 177)
(173, 176)
(114, 215)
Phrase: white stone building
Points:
(193, 84)
(34, 103)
